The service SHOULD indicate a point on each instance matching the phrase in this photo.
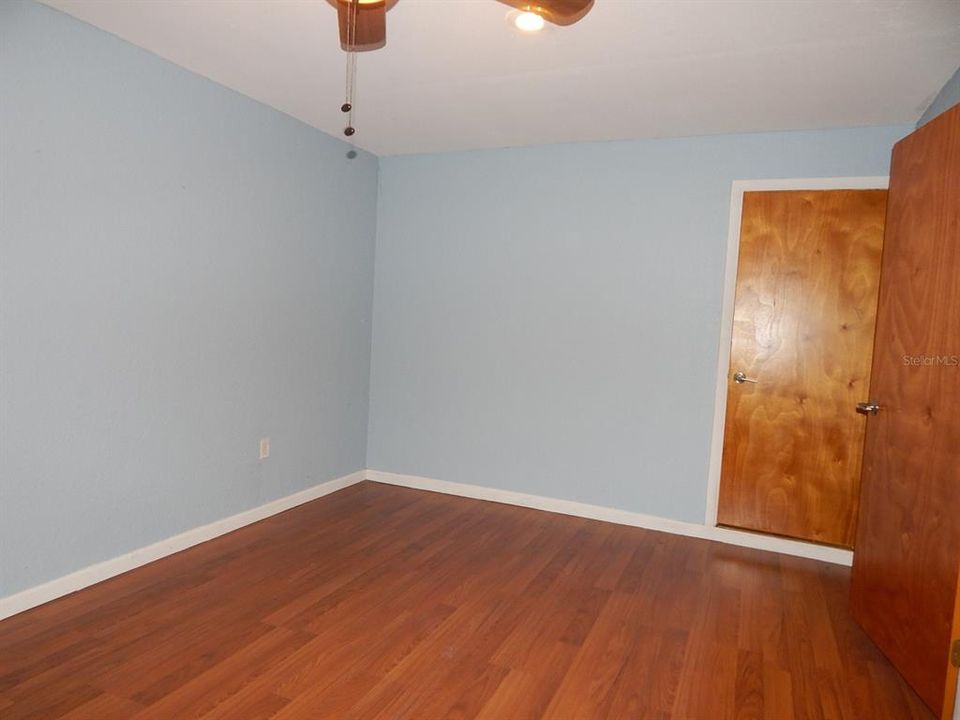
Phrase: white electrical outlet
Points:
(264, 448)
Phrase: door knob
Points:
(740, 378)
(868, 408)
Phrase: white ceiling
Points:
(454, 76)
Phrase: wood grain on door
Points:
(907, 560)
(806, 301)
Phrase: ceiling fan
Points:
(363, 27)
(363, 23)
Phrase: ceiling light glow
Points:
(528, 22)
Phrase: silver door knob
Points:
(868, 408)
(740, 378)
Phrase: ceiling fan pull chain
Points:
(347, 107)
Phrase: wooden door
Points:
(806, 298)
(905, 571)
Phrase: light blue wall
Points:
(547, 319)
(182, 271)
(948, 96)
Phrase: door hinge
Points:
(955, 654)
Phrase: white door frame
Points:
(956, 706)
(738, 188)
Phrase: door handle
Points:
(868, 408)
(740, 378)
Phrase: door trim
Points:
(737, 189)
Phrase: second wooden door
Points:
(906, 570)
(806, 299)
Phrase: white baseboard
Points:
(621, 517)
(26, 599)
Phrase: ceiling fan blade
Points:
(370, 24)
(558, 12)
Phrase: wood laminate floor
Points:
(384, 602)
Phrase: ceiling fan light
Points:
(528, 21)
